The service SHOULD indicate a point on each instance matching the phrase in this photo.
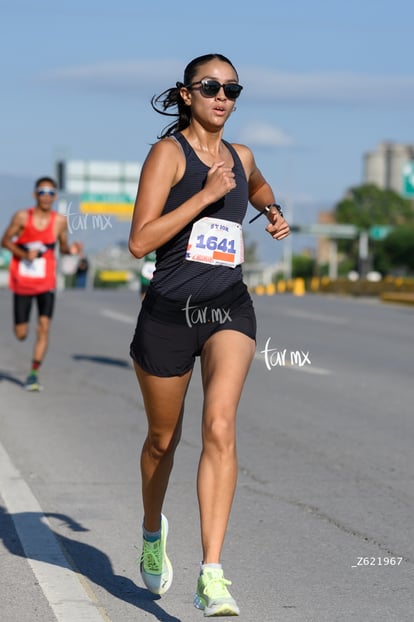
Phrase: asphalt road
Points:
(322, 523)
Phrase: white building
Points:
(384, 166)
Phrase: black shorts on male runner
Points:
(170, 334)
(22, 306)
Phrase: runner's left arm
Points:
(261, 194)
(75, 248)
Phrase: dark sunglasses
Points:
(210, 88)
(42, 192)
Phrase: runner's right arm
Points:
(14, 229)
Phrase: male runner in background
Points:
(31, 238)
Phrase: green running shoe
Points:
(32, 383)
(156, 568)
(213, 596)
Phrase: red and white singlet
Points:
(37, 276)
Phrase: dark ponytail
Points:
(171, 97)
(167, 99)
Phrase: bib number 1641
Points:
(211, 242)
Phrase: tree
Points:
(368, 205)
(399, 247)
(303, 266)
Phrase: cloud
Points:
(139, 76)
(261, 84)
(341, 87)
(259, 134)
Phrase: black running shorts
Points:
(22, 306)
(169, 334)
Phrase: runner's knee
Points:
(43, 327)
(220, 431)
(20, 332)
(162, 444)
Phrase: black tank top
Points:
(177, 278)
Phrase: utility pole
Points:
(333, 259)
(363, 254)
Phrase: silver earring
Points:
(234, 108)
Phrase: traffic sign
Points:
(88, 197)
(379, 232)
(408, 179)
(333, 230)
(120, 205)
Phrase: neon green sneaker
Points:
(213, 596)
(32, 383)
(156, 568)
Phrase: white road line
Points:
(121, 317)
(306, 368)
(317, 317)
(59, 582)
(311, 369)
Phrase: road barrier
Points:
(389, 289)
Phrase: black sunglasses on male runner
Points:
(210, 88)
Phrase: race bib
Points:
(216, 242)
(35, 269)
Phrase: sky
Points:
(324, 82)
